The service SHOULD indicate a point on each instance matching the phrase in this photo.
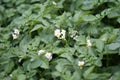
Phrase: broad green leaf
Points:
(59, 67)
(91, 51)
(77, 17)
(112, 38)
(88, 71)
(104, 75)
(61, 64)
(9, 67)
(56, 73)
(88, 4)
(45, 63)
(35, 64)
(67, 75)
(21, 77)
(67, 56)
(75, 76)
(113, 15)
(89, 18)
(92, 76)
(81, 40)
(113, 46)
(104, 37)
(37, 27)
(99, 45)
(98, 62)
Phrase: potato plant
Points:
(59, 39)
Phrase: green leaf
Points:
(75, 76)
(89, 18)
(104, 37)
(39, 26)
(21, 77)
(98, 62)
(35, 64)
(67, 56)
(89, 4)
(9, 66)
(61, 64)
(56, 73)
(88, 71)
(81, 39)
(77, 17)
(91, 51)
(23, 45)
(113, 46)
(118, 20)
(99, 45)
(45, 63)
(92, 76)
(116, 76)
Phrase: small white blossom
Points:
(81, 63)
(60, 34)
(89, 44)
(10, 75)
(63, 34)
(41, 52)
(54, 3)
(48, 56)
(14, 36)
(16, 31)
(57, 33)
(20, 60)
(76, 38)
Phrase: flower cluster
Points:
(60, 34)
(15, 34)
(48, 55)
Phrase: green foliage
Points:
(36, 52)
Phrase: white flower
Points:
(48, 56)
(54, 3)
(63, 34)
(10, 75)
(16, 31)
(57, 33)
(41, 52)
(14, 36)
(81, 63)
(20, 60)
(60, 34)
(89, 44)
(76, 38)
